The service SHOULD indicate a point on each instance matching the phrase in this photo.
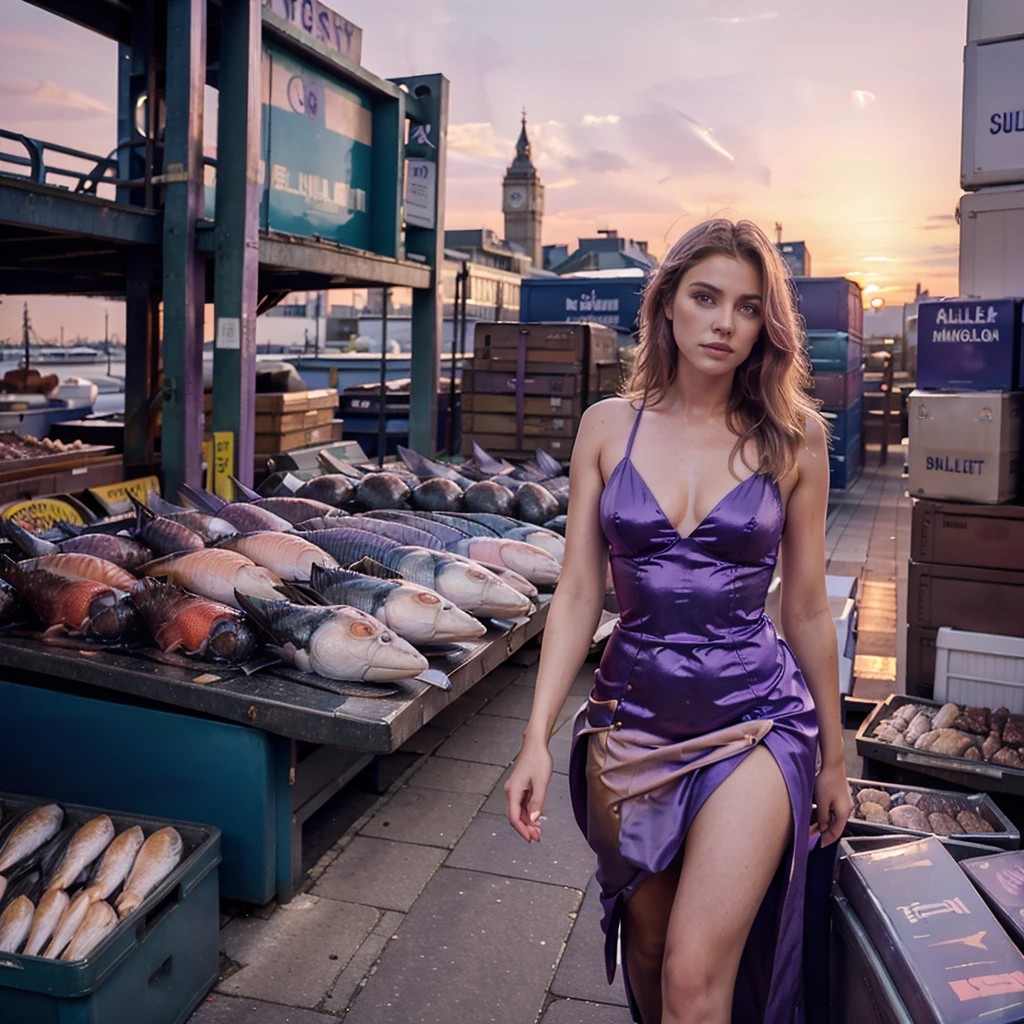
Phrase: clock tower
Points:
(522, 201)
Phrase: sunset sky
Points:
(841, 121)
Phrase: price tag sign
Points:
(113, 498)
(229, 332)
(421, 193)
(224, 464)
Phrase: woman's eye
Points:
(701, 296)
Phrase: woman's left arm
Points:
(807, 624)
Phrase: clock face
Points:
(516, 199)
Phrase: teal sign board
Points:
(315, 153)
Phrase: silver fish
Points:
(159, 856)
(15, 923)
(88, 843)
(99, 921)
(39, 826)
(44, 921)
(67, 925)
(245, 517)
(216, 573)
(288, 555)
(116, 863)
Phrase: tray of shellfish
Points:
(976, 748)
(882, 808)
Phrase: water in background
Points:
(96, 372)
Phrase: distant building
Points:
(796, 256)
(522, 201)
(609, 252)
(484, 247)
(555, 254)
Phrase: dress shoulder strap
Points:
(632, 433)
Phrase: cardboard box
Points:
(980, 600)
(965, 446)
(983, 536)
(564, 342)
(969, 345)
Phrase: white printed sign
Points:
(420, 193)
(229, 332)
(994, 111)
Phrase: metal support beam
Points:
(184, 288)
(427, 141)
(236, 230)
(142, 359)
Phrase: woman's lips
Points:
(717, 351)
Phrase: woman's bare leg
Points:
(732, 852)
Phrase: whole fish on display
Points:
(122, 551)
(289, 507)
(427, 469)
(488, 496)
(557, 525)
(67, 924)
(511, 529)
(192, 625)
(381, 490)
(44, 921)
(36, 828)
(159, 856)
(81, 606)
(468, 586)
(437, 495)
(10, 602)
(216, 573)
(336, 642)
(210, 528)
(83, 567)
(331, 488)
(289, 555)
(532, 563)
(164, 536)
(15, 924)
(401, 528)
(117, 861)
(414, 612)
(99, 921)
(535, 504)
(489, 465)
(245, 517)
(89, 842)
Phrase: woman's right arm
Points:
(573, 615)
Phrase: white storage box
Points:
(992, 243)
(981, 670)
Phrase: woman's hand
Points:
(527, 787)
(832, 795)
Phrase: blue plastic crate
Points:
(833, 351)
(831, 304)
(844, 465)
(846, 425)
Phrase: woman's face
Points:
(717, 314)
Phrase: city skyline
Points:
(843, 126)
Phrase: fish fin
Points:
(246, 492)
(486, 461)
(202, 500)
(143, 514)
(548, 463)
(371, 567)
(34, 546)
(161, 506)
(302, 593)
(158, 566)
(335, 465)
(416, 463)
(54, 630)
(71, 529)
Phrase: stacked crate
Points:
(967, 543)
(529, 384)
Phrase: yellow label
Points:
(224, 464)
(39, 514)
(114, 497)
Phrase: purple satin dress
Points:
(692, 678)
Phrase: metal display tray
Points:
(972, 775)
(1005, 837)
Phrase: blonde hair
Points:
(769, 403)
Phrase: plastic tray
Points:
(996, 877)
(1005, 837)
(154, 967)
(982, 670)
(971, 775)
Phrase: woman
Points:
(693, 763)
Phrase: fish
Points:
(243, 515)
(381, 490)
(488, 464)
(128, 554)
(10, 602)
(35, 828)
(557, 525)
(487, 496)
(330, 488)
(535, 504)
(164, 536)
(401, 528)
(99, 921)
(82, 606)
(196, 626)
(89, 842)
(296, 509)
(117, 861)
(484, 524)
(427, 469)
(468, 586)
(288, 555)
(216, 573)
(210, 528)
(416, 613)
(437, 495)
(532, 563)
(336, 641)
(83, 567)
(67, 924)
(15, 924)
(159, 856)
(44, 921)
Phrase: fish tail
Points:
(303, 593)
(202, 500)
(486, 462)
(71, 529)
(143, 515)
(160, 505)
(246, 492)
(34, 546)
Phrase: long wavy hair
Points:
(769, 403)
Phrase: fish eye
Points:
(386, 637)
(428, 598)
(361, 629)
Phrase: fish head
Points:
(234, 639)
(424, 617)
(354, 645)
(530, 561)
(112, 616)
(477, 590)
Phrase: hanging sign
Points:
(421, 193)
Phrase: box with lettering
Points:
(969, 345)
(965, 446)
(947, 955)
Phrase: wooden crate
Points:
(505, 445)
(533, 405)
(590, 343)
(281, 402)
(958, 533)
(979, 600)
(490, 382)
(533, 426)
